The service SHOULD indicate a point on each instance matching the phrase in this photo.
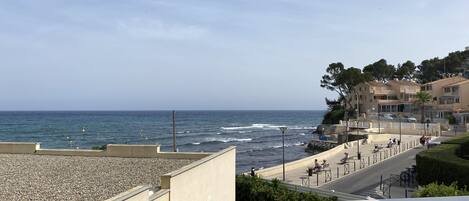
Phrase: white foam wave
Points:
(253, 126)
(223, 140)
(302, 128)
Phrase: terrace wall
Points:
(211, 178)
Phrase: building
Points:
(394, 96)
(118, 173)
(450, 97)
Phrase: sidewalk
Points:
(299, 176)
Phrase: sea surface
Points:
(256, 134)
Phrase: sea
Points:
(255, 134)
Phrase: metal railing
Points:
(353, 165)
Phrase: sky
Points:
(207, 55)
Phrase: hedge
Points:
(440, 190)
(255, 189)
(443, 164)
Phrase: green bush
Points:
(255, 189)
(441, 190)
(333, 116)
(102, 147)
(444, 163)
(461, 139)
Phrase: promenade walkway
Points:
(297, 175)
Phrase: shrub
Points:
(441, 190)
(461, 139)
(443, 164)
(255, 189)
(102, 147)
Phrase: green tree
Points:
(428, 70)
(342, 80)
(422, 98)
(335, 113)
(380, 70)
(405, 71)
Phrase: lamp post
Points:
(283, 129)
(400, 131)
(358, 134)
(379, 123)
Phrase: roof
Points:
(376, 84)
(458, 83)
(453, 79)
(404, 82)
(38, 177)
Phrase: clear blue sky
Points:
(240, 54)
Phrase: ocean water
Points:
(255, 133)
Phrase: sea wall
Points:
(211, 178)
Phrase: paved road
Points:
(369, 178)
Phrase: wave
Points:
(253, 126)
(222, 140)
(302, 128)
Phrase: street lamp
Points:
(283, 129)
(400, 131)
(358, 134)
(379, 122)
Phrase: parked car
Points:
(410, 119)
(387, 117)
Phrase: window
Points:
(456, 100)
(447, 90)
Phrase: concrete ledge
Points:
(70, 152)
(161, 195)
(138, 151)
(18, 147)
(138, 193)
(183, 155)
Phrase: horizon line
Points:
(163, 110)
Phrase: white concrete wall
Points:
(209, 179)
(161, 195)
(139, 193)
